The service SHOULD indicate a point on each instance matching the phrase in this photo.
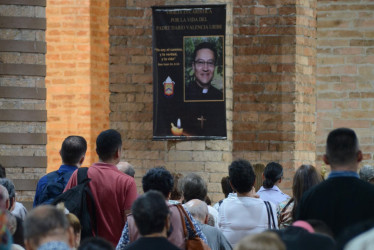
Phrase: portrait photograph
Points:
(204, 68)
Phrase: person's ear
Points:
(71, 237)
(280, 180)
(232, 187)
(82, 160)
(263, 176)
(326, 160)
(206, 219)
(359, 156)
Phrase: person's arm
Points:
(39, 187)
(125, 238)
(224, 243)
(131, 195)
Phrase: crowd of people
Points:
(175, 212)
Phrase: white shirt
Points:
(242, 216)
(273, 194)
(213, 212)
(217, 205)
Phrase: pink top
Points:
(114, 192)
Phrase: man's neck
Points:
(111, 162)
(154, 235)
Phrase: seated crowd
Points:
(175, 211)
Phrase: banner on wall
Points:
(189, 72)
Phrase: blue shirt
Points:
(335, 174)
(44, 180)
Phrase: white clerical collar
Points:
(205, 91)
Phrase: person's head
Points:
(2, 172)
(176, 193)
(151, 213)
(198, 209)
(126, 168)
(241, 175)
(226, 187)
(262, 241)
(159, 179)
(306, 177)
(342, 150)
(367, 173)
(259, 170)
(95, 243)
(193, 187)
(75, 224)
(203, 63)
(8, 184)
(108, 146)
(4, 198)
(73, 150)
(46, 223)
(273, 174)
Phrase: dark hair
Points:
(226, 187)
(176, 193)
(272, 173)
(43, 220)
(306, 177)
(2, 172)
(95, 243)
(204, 45)
(159, 179)
(150, 212)
(72, 149)
(342, 147)
(242, 176)
(193, 187)
(107, 144)
(321, 227)
(8, 184)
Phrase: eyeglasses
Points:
(201, 63)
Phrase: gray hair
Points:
(193, 187)
(367, 173)
(42, 221)
(126, 168)
(198, 209)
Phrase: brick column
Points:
(345, 72)
(274, 58)
(131, 98)
(23, 113)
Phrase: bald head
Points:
(198, 209)
(126, 168)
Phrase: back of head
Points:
(259, 170)
(4, 196)
(273, 172)
(261, 241)
(176, 193)
(226, 187)
(73, 149)
(95, 243)
(107, 144)
(367, 173)
(150, 212)
(306, 176)
(342, 147)
(193, 187)
(8, 184)
(126, 168)
(159, 179)
(44, 221)
(242, 176)
(198, 209)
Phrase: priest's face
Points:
(203, 67)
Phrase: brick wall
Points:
(274, 98)
(22, 94)
(345, 71)
(77, 74)
(131, 98)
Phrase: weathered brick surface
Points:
(77, 74)
(345, 71)
(19, 103)
(130, 78)
(274, 83)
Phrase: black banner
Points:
(189, 72)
